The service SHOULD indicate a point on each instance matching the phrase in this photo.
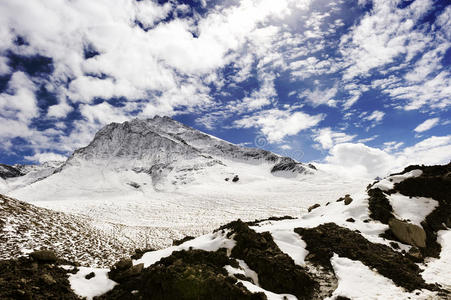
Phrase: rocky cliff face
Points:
(144, 145)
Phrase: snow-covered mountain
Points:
(162, 174)
(20, 175)
(168, 152)
(161, 145)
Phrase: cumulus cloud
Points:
(426, 125)
(359, 160)
(327, 138)
(276, 124)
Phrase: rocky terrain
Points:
(25, 228)
(391, 241)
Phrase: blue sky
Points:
(335, 82)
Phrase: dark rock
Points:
(350, 220)
(123, 264)
(434, 183)
(256, 222)
(192, 274)
(379, 206)
(313, 207)
(90, 275)
(347, 199)
(394, 245)
(140, 252)
(7, 171)
(134, 185)
(181, 241)
(19, 281)
(289, 165)
(276, 271)
(415, 254)
(46, 256)
(235, 178)
(311, 166)
(227, 179)
(325, 240)
(408, 233)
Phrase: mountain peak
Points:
(165, 144)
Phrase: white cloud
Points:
(426, 125)
(359, 160)
(46, 156)
(376, 116)
(276, 124)
(392, 146)
(384, 34)
(327, 138)
(320, 96)
(285, 147)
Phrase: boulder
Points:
(235, 178)
(348, 199)
(408, 233)
(44, 256)
(313, 207)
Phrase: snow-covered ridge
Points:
(20, 175)
(164, 142)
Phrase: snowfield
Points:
(189, 209)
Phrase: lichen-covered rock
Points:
(408, 233)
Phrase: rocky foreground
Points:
(393, 241)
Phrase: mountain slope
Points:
(25, 228)
(341, 250)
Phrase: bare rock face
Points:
(408, 233)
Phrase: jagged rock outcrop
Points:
(7, 171)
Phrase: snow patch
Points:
(270, 295)
(388, 183)
(438, 270)
(90, 288)
(357, 281)
(209, 242)
(415, 209)
(291, 244)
